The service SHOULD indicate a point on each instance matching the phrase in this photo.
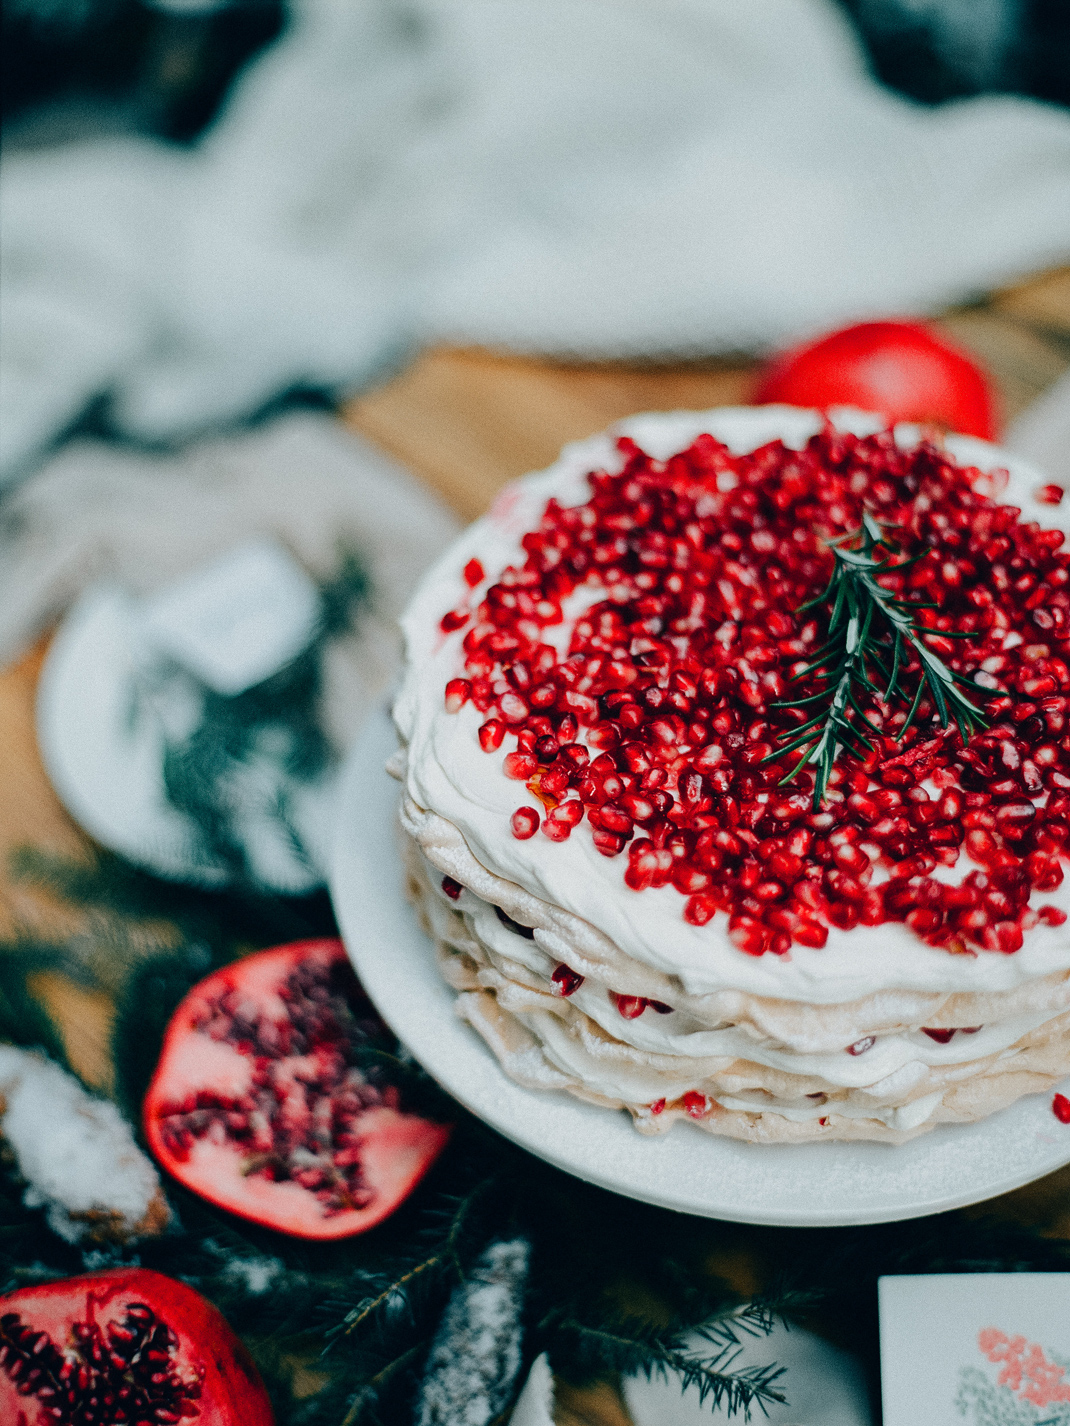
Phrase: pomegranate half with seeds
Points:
(259, 1103)
(126, 1346)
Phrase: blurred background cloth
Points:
(596, 178)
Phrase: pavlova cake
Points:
(736, 769)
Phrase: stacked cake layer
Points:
(856, 1018)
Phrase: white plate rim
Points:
(832, 1184)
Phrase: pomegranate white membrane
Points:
(641, 893)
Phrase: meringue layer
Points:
(816, 1043)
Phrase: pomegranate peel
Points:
(259, 1103)
(904, 370)
(125, 1346)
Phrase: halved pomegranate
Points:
(125, 1346)
(903, 370)
(259, 1105)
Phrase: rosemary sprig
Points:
(869, 630)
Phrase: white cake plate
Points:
(689, 1170)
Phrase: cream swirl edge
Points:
(447, 772)
(546, 1043)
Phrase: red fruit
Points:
(525, 823)
(151, 1344)
(519, 766)
(902, 370)
(491, 734)
(699, 909)
(258, 1105)
(566, 980)
(942, 1037)
(458, 692)
(695, 1104)
(473, 573)
(629, 1006)
(452, 888)
(1060, 1107)
(1049, 494)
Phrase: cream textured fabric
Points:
(603, 177)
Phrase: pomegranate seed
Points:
(567, 729)
(1049, 494)
(566, 981)
(749, 936)
(696, 1105)
(861, 1046)
(519, 766)
(851, 858)
(924, 920)
(811, 933)
(658, 1106)
(491, 734)
(612, 819)
(1004, 936)
(699, 909)
(629, 1006)
(608, 843)
(639, 809)
(452, 888)
(513, 708)
(525, 823)
(558, 829)
(458, 692)
(942, 1037)
(455, 619)
(473, 573)
(1060, 1107)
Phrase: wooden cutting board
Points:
(468, 421)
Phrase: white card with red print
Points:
(975, 1349)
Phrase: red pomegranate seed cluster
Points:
(300, 1120)
(124, 1372)
(660, 723)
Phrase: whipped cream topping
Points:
(447, 772)
(903, 1083)
(683, 1034)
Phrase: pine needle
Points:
(867, 624)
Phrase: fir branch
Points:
(867, 625)
(391, 1296)
(394, 1287)
(372, 1389)
(633, 1346)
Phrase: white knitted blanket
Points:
(598, 177)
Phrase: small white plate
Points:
(790, 1185)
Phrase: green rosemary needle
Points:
(869, 629)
